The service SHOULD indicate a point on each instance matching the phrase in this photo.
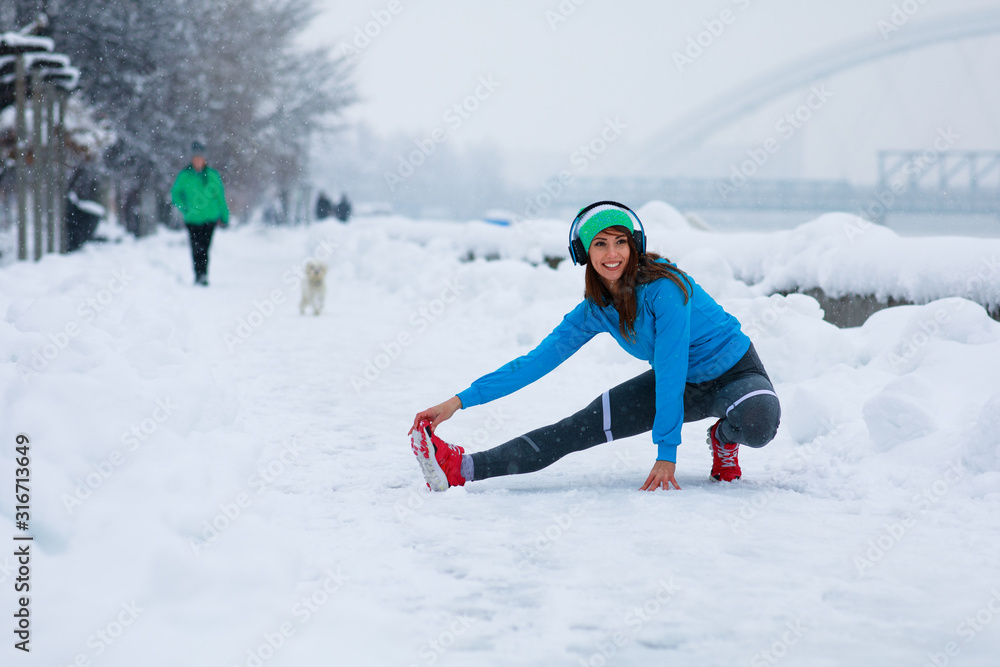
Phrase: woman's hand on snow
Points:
(437, 414)
(662, 474)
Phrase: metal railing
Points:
(794, 195)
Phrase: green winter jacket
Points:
(200, 196)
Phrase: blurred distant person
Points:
(343, 209)
(324, 207)
(199, 194)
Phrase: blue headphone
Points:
(576, 250)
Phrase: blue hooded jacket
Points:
(693, 342)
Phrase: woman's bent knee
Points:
(757, 423)
(760, 436)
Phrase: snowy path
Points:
(866, 533)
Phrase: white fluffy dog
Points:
(313, 287)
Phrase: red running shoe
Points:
(725, 464)
(440, 462)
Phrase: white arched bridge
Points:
(937, 180)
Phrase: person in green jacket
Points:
(199, 194)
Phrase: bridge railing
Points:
(792, 195)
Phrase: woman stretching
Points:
(702, 366)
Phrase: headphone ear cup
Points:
(578, 252)
(640, 241)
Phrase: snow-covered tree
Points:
(225, 72)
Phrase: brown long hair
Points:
(638, 271)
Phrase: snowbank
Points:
(838, 253)
(842, 254)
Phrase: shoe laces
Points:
(446, 449)
(727, 454)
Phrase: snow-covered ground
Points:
(217, 480)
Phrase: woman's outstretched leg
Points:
(624, 411)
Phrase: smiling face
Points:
(608, 254)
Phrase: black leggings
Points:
(742, 397)
(201, 239)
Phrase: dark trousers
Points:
(201, 239)
(742, 397)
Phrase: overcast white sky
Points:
(558, 84)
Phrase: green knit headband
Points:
(599, 220)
